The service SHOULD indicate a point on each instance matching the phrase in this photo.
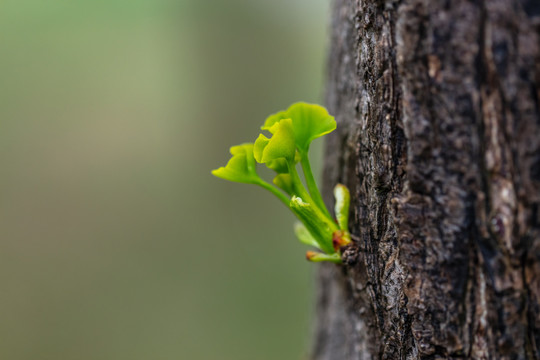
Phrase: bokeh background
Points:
(115, 240)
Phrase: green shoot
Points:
(292, 132)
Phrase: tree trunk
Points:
(438, 139)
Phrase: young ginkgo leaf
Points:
(273, 119)
(285, 183)
(309, 122)
(259, 146)
(315, 256)
(341, 209)
(280, 145)
(241, 167)
(278, 165)
(304, 235)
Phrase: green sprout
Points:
(291, 133)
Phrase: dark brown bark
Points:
(438, 139)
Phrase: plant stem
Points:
(312, 185)
(275, 191)
(302, 192)
(318, 257)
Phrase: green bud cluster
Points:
(291, 133)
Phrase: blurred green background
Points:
(115, 240)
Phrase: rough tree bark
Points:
(438, 139)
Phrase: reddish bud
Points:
(310, 255)
(340, 238)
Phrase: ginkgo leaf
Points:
(309, 122)
(241, 167)
(315, 256)
(259, 146)
(272, 119)
(280, 145)
(341, 209)
(304, 235)
(285, 182)
(280, 165)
